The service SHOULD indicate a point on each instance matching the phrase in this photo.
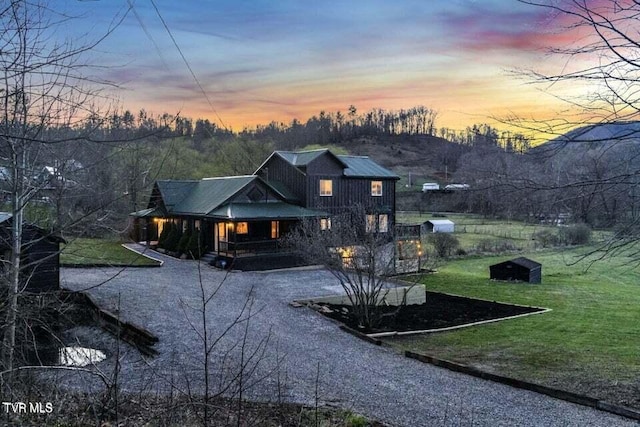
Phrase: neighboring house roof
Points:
(276, 210)
(4, 216)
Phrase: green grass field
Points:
(100, 252)
(589, 343)
(473, 231)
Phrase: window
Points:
(326, 187)
(383, 223)
(371, 223)
(222, 231)
(379, 223)
(242, 228)
(376, 188)
(325, 223)
(275, 229)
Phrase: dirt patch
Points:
(439, 311)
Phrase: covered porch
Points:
(245, 230)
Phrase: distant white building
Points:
(430, 186)
(457, 187)
(439, 226)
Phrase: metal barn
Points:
(439, 226)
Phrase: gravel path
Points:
(302, 346)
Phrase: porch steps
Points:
(208, 257)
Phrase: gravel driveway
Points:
(301, 347)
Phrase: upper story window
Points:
(376, 188)
(326, 187)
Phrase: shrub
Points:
(495, 246)
(164, 234)
(578, 234)
(171, 244)
(195, 247)
(183, 243)
(546, 238)
(354, 420)
(444, 244)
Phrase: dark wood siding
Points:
(348, 192)
(277, 169)
(325, 164)
(40, 258)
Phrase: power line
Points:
(184, 59)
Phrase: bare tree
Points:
(357, 248)
(593, 165)
(44, 87)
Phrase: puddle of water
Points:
(80, 356)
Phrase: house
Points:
(319, 179)
(439, 226)
(243, 218)
(40, 259)
(521, 269)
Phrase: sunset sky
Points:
(264, 60)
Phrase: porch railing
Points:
(252, 247)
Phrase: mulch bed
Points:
(439, 311)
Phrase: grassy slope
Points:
(100, 252)
(589, 343)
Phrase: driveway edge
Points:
(549, 391)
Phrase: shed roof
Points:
(440, 222)
(523, 262)
(5, 217)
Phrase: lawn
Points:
(478, 234)
(588, 343)
(100, 252)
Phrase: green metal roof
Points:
(274, 210)
(173, 192)
(154, 212)
(364, 167)
(283, 190)
(210, 193)
(355, 166)
(301, 158)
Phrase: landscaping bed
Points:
(437, 312)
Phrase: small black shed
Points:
(522, 269)
(40, 257)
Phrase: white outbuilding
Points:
(439, 226)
